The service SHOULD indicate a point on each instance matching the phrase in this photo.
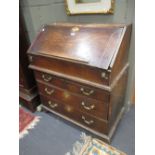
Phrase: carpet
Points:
(26, 121)
(93, 146)
(55, 136)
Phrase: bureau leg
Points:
(39, 108)
(43, 109)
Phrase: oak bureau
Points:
(81, 72)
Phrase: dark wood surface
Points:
(93, 107)
(70, 68)
(68, 57)
(77, 115)
(121, 59)
(27, 87)
(117, 96)
(26, 75)
(74, 87)
(80, 43)
(30, 101)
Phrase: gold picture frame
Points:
(74, 7)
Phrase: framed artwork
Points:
(89, 7)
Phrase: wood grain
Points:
(98, 125)
(82, 45)
(81, 72)
(73, 86)
(75, 101)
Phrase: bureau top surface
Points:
(90, 44)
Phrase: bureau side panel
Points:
(117, 98)
(122, 55)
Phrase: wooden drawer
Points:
(92, 107)
(68, 68)
(71, 86)
(76, 115)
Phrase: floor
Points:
(54, 136)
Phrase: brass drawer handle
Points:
(87, 107)
(75, 29)
(30, 58)
(87, 93)
(86, 121)
(46, 78)
(104, 76)
(49, 92)
(52, 105)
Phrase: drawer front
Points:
(71, 86)
(78, 116)
(90, 106)
(81, 71)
